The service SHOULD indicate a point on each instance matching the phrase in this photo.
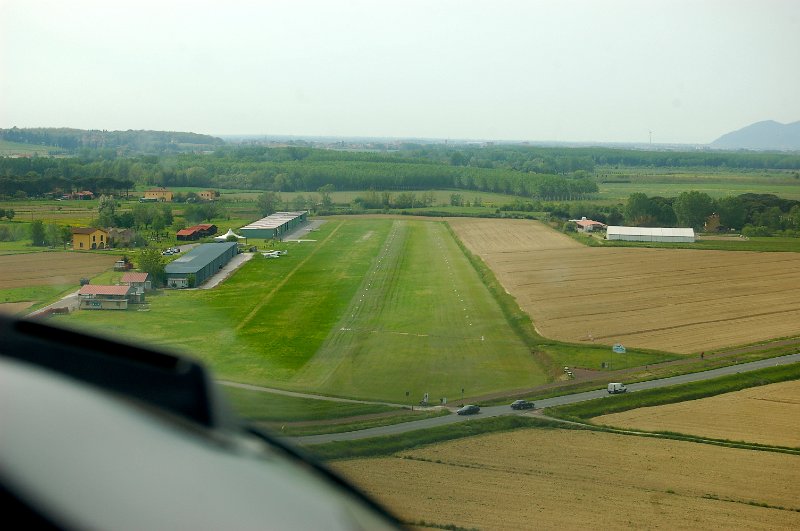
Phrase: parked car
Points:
(616, 387)
(522, 404)
(468, 410)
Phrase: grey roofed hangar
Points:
(274, 225)
(202, 262)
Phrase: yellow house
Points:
(159, 194)
(85, 238)
(207, 195)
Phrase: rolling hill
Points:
(768, 135)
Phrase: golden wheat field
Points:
(551, 478)
(678, 300)
(768, 414)
(54, 268)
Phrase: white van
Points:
(616, 387)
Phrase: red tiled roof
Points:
(90, 289)
(134, 277)
(203, 226)
(187, 232)
(589, 223)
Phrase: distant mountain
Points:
(71, 140)
(762, 136)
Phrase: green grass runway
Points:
(372, 309)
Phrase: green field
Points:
(670, 183)
(8, 149)
(372, 309)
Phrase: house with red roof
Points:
(588, 225)
(97, 297)
(196, 232)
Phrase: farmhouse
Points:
(120, 237)
(89, 238)
(82, 195)
(159, 194)
(196, 232)
(199, 264)
(274, 225)
(139, 282)
(650, 234)
(207, 195)
(104, 297)
(588, 225)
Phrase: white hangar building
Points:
(650, 234)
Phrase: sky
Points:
(536, 70)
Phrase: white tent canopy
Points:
(224, 237)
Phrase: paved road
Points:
(495, 411)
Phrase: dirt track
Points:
(679, 300)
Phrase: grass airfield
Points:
(373, 309)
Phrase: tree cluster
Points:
(693, 209)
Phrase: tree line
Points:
(280, 170)
(530, 172)
(69, 140)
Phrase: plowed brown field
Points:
(768, 414)
(56, 268)
(678, 300)
(548, 479)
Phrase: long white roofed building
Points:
(274, 225)
(650, 234)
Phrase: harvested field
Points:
(767, 415)
(11, 308)
(547, 479)
(678, 300)
(56, 268)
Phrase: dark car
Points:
(522, 404)
(468, 410)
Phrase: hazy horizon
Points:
(574, 71)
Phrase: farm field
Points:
(676, 300)
(374, 308)
(552, 478)
(52, 268)
(787, 188)
(766, 415)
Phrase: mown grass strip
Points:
(276, 408)
(517, 319)
(268, 296)
(676, 393)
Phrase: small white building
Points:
(650, 234)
